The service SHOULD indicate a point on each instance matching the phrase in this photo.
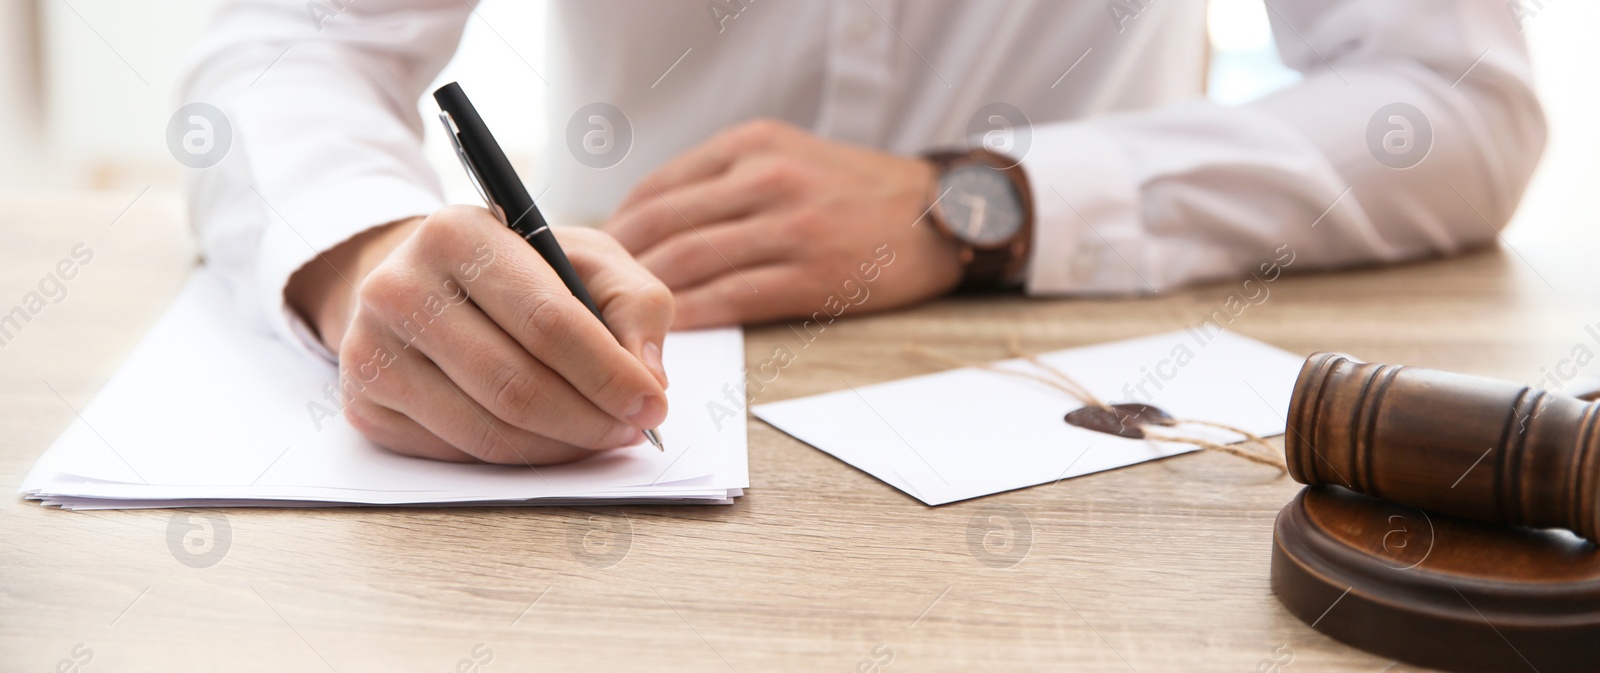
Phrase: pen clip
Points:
(453, 133)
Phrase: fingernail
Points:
(652, 359)
(648, 411)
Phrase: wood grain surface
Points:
(1157, 567)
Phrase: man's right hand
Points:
(457, 341)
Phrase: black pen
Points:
(503, 191)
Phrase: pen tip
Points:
(655, 439)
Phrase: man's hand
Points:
(456, 341)
(766, 221)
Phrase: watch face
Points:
(980, 205)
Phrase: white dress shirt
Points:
(1139, 184)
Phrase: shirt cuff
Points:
(318, 224)
(1086, 217)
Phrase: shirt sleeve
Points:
(1413, 133)
(323, 137)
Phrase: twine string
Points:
(1083, 394)
(1061, 381)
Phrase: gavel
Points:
(1470, 446)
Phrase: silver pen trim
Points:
(450, 131)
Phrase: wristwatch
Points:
(982, 202)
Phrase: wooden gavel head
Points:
(1465, 445)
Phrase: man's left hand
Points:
(766, 221)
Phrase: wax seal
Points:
(1123, 420)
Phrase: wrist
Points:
(323, 290)
(946, 263)
(984, 205)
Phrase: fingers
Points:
(750, 296)
(522, 295)
(466, 345)
(423, 394)
(636, 304)
(662, 215)
(529, 302)
(398, 433)
(709, 158)
(694, 257)
(501, 377)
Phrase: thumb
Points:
(640, 320)
(637, 306)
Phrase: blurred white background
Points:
(87, 86)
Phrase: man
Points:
(752, 154)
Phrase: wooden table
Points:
(1158, 567)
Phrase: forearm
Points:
(1149, 201)
(325, 137)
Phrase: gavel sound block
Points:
(1426, 530)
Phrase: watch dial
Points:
(980, 205)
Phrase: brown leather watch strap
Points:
(988, 266)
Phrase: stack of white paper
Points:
(207, 412)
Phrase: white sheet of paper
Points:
(966, 433)
(207, 408)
